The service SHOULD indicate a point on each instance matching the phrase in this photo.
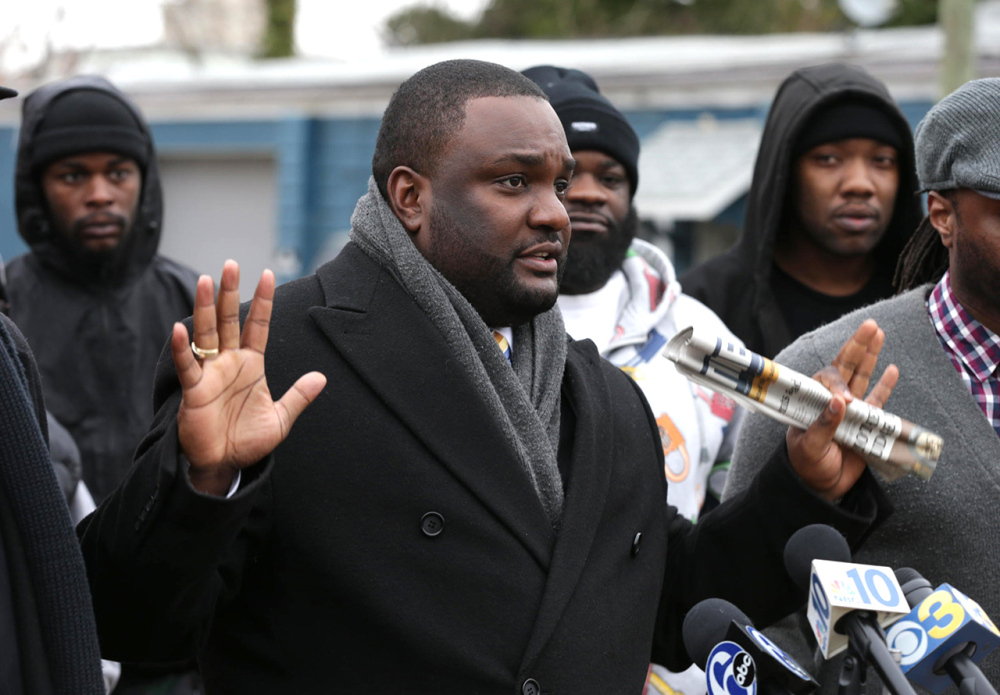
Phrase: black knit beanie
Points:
(88, 120)
(847, 119)
(589, 119)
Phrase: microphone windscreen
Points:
(706, 625)
(915, 587)
(813, 542)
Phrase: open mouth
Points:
(542, 258)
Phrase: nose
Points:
(858, 180)
(100, 192)
(549, 213)
(585, 189)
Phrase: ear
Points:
(943, 216)
(410, 198)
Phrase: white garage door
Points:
(219, 207)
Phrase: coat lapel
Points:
(386, 338)
(589, 477)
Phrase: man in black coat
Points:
(446, 516)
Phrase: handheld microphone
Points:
(736, 657)
(943, 637)
(848, 603)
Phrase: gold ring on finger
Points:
(202, 353)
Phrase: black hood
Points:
(801, 95)
(736, 284)
(139, 245)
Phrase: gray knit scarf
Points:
(524, 400)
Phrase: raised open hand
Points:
(825, 466)
(227, 418)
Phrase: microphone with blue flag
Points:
(943, 637)
(737, 658)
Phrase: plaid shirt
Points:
(973, 348)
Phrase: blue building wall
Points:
(10, 242)
(323, 167)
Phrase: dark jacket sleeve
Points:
(737, 552)
(34, 381)
(160, 553)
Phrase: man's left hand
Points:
(825, 466)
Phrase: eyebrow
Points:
(522, 158)
(76, 164)
(530, 160)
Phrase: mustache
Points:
(99, 218)
(586, 210)
(543, 237)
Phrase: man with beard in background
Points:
(622, 293)
(92, 297)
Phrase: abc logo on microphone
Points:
(731, 671)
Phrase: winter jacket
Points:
(96, 334)
(737, 283)
(698, 427)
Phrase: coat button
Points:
(530, 687)
(432, 524)
(636, 542)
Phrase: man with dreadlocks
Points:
(942, 332)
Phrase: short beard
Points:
(491, 287)
(70, 242)
(593, 259)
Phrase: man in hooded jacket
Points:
(92, 296)
(830, 208)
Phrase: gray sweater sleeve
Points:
(760, 435)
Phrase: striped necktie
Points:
(502, 344)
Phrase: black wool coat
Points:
(394, 538)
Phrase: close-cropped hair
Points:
(428, 110)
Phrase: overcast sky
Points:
(335, 28)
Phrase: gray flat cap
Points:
(958, 141)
